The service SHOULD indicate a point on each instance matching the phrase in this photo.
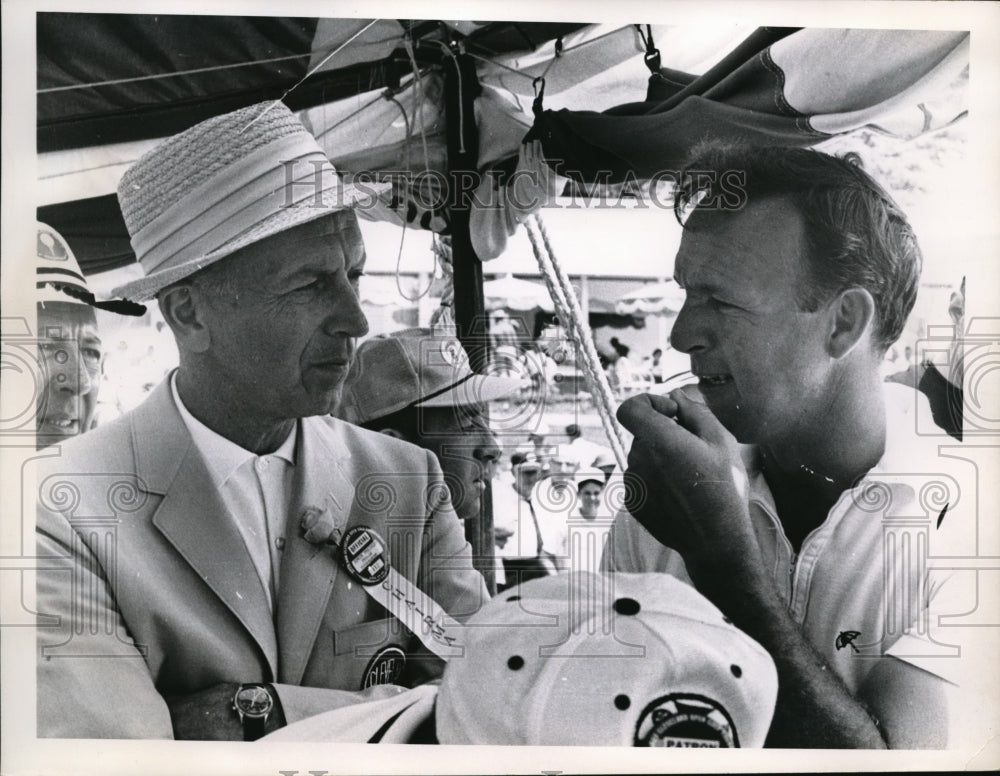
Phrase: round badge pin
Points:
(365, 555)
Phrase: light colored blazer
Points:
(146, 589)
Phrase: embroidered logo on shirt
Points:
(846, 639)
(941, 516)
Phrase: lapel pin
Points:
(364, 554)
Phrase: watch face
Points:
(254, 700)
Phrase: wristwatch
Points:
(253, 702)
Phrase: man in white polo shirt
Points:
(806, 537)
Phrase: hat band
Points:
(434, 394)
(237, 199)
(60, 271)
(59, 286)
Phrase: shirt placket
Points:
(269, 473)
(784, 554)
(793, 572)
(804, 566)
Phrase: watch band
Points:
(253, 726)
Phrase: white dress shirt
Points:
(254, 489)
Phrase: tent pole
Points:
(461, 87)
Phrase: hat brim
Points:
(348, 196)
(478, 389)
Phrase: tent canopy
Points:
(372, 91)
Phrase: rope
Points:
(568, 309)
(597, 380)
(418, 105)
(500, 65)
(353, 114)
(402, 233)
(320, 64)
(591, 361)
(558, 53)
(444, 312)
(213, 68)
(175, 74)
(418, 110)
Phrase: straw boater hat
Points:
(415, 367)
(222, 185)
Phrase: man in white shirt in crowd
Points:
(580, 450)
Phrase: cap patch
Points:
(686, 721)
(452, 353)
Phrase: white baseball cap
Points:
(58, 277)
(588, 475)
(606, 660)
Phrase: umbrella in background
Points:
(389, 303)
(653, 299)
(664, 300)
(515, 294)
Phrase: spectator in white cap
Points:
(255, 570)
(583, 659)
(70, 350)
(536, 439)
(589, 487)
(574, 517)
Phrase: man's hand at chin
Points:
(687, 485)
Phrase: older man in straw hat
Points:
(239, 548)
